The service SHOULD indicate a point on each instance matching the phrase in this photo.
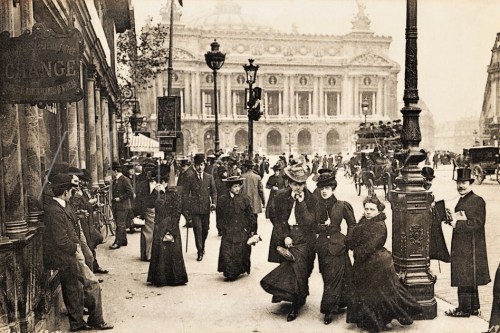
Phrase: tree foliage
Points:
(141, 59)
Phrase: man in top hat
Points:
(201, 192)
(62, 251)
(238, 224)
(293, 218)
(333, 258)
(469, 262)
(253, 188)
(122, 194)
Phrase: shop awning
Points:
(141, 143)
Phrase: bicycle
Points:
(103, 213)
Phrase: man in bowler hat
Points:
(469, 262)
(201, 193)
(123, 193)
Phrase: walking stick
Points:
(187, 235)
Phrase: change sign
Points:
(41, 67)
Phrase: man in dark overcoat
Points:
(123, 193)
(469, 262)
(201, 193)
(186, 171)
(62, 251)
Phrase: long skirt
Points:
(378, 295)
(167, 267)
(147, 234)
(335, 273)
(234, 258)
(289, 281)
(495, 307)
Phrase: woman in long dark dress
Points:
(274, 183)
(238, 224)
(333, 258)
(166, 267)
(378, 295)
(293, 218)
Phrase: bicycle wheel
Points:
(102, 225)
(110, 220)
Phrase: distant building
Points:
(313, 85)
(490, 113)
(458, 134)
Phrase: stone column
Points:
(114, 136)
(82, 148)
(98, 133)
(293, 112)
(356, 97)
(286, 97)
(222, 96)
(229, 98)
(106, 135)
(321, 111)
(194, 108)
(73, 134)
(380, 93)
(91, 128)
(315, 96)
(187, 94)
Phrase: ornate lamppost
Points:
(215, 59)
(411, 201)
(365, 107)
(251, 72)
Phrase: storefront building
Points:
(34, 136)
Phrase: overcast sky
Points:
(455, 38)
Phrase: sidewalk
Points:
(207, 304)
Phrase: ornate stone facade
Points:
(313, 85)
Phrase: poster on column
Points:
(41, 66)
(169, 116)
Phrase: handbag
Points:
(168, 238)
(285, 253)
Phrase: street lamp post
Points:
(251, 72)
(215, 59)
(365, 107)
(411, 201)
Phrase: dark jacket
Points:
(468, 244)
(122, 188)
(279, 214)
(182, 183)
(330, 240)
(60, 238)
(237, 221)
(200, 194)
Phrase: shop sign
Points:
(41, 66)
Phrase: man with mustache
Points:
(469, 262)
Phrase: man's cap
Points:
(62, 181)
(116, 166)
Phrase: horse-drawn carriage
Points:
(375, 163)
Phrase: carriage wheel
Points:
(478, 174)
(498, 174)
(370, 187)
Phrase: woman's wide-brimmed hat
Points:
(320, 172)
(297, 173)
(464, 174)
(233, 180)
(326, 179)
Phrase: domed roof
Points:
(227, 16)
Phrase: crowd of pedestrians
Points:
(305, 224)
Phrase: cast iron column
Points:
(216, 112)
(410, 201)
(250, 129)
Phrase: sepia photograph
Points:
(249, 166)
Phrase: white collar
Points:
(60, 201)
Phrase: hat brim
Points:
(302, 179)
(471, 180)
